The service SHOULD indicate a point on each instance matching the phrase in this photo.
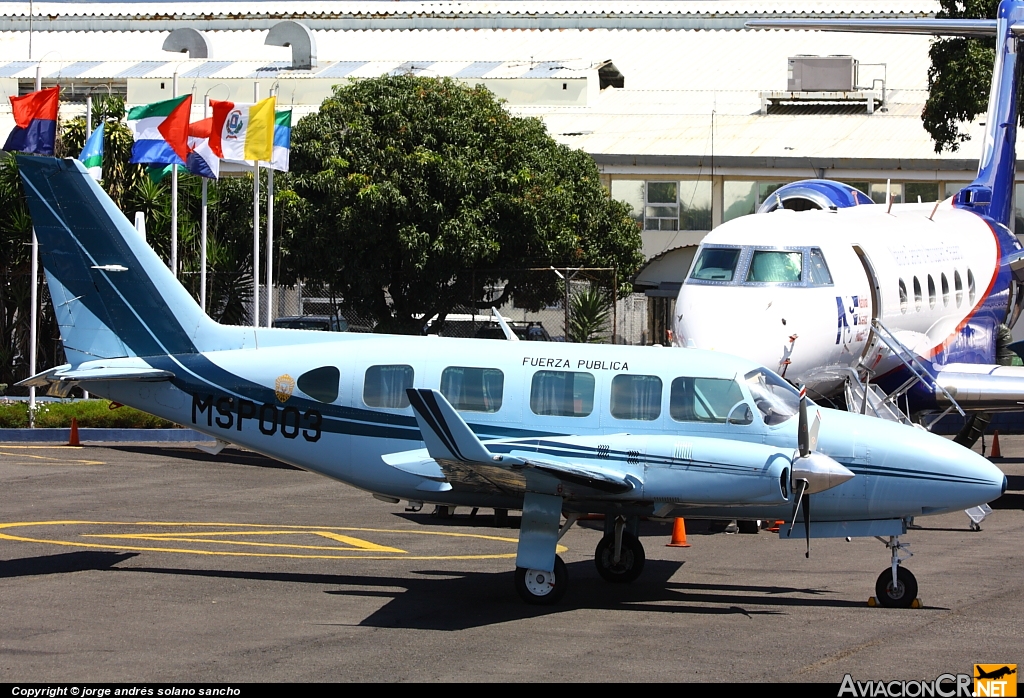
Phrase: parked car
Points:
(324, 323)
(527, 332)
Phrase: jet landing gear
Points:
(620, 555)
(896, 587)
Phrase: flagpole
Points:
(174, 195)
(270, 229)
(202, 228)
(34, 298)
(256, 228)
(88, 132)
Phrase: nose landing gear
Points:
(896, 587)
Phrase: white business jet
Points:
(911, 298)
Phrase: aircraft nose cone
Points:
(1003, 491)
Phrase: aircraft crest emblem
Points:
(283, 387)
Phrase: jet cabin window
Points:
(385, 386)
(776, 399)
(562, 393)
(904, 300)
(320, 383)
(473, 389)
(716, 264)
(636, 397)
(959, 285)
(713, 400)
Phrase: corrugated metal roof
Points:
(369, 8)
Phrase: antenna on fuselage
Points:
(888, 195)
(936, 208)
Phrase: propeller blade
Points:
(796, 506)
(807, 525)
(802, 435)
(812, 440)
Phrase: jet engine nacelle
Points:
(809, 194)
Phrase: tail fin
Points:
(112, 294)
(991, 193)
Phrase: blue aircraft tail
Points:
(991, 194)
(112, 294)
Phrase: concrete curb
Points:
(93, 435)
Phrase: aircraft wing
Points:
(460, 455)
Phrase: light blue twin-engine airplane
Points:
(556, 430)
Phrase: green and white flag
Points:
(92, 153)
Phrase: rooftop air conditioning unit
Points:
(822, 74)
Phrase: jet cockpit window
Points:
(562, 393)
(776, 399)
(820, 275)
(636, 397)
(775, 266)
(712, 400)
(716, 264)
(473, 389)
(384, 386)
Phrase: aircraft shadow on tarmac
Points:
(61, 563)
(446, 600)
(233, 456)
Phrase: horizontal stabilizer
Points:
(97, 373)
(445, 433)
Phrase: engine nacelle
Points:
(810, 194)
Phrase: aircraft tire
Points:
(631, 563)
(535, 587)
(904, 594)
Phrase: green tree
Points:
(413, 196)
(959, 77)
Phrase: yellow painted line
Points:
(62, 461)
(353, 543)
(78, 544)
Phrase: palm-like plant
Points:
(589, 315)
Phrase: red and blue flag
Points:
(35, 116)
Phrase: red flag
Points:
(35, 105)
(174, 128)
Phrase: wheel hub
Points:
(540, 582)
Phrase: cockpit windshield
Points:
(716, 264)
(775, 266)
(776, 399)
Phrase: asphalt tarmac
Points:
(136, 564)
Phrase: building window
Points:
(741, 198)
(666, 205)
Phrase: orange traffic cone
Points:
(678, 535)
(995, 453)
(774, 528)
(73, 441)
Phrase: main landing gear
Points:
(896, 587)
(620, 555)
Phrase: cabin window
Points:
(970, 286)
(562, 393)
(959, 286)
(321, 383)
(931, 292)
(708, 400)
(716, 264)
(945, 290)
(385, 386)
(904, 302)
(918, 296)
(636, 397)
(775, 399)
(819, 270)
(775, 266)
(473, 389)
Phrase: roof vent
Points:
(299, 38)
(188, 40)
(609, 75)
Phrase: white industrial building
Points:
(692, 118)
